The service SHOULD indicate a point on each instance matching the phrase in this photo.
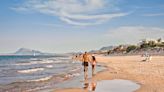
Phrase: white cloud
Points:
(94, 19)
(154, 14)
(73, 11)
(133, 34)
(100, 16)
(74, 22)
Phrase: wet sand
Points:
(116, 85)
(149, 75)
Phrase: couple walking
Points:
(86, 58)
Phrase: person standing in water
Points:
(93, 64)
(85, 60)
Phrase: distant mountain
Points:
(25, 51)
(93, 51)
(107, 48)
(103, 49)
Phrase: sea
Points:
(39, 73)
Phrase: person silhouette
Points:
(93, 63)
(85, 60)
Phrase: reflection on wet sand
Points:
(86, 84)
(89, 85)
(93, 85)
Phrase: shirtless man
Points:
(85, 64)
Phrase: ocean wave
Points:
(72, 75)
(30, 70)
(49, 66)
(26, 63)
(75, 69)
(52, 59)
(40, 79)
(35, 59)
(35, 62)
(59, 61)
(45, 62)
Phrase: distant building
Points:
(150, 40)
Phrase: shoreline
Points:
(149, 75)
(73, 76)
(77, 82)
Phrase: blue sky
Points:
(78, 25)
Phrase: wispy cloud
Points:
(154, 14)
(132, 34)
(75, 12)
(85, 20)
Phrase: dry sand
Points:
(150, 75)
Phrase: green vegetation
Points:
(144, 44)
(130, 48)
(152, 43)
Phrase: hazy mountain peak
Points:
(26, 51)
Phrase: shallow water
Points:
(25, 68)
(116, 85)
(29, 73)
(40, 74)
(75, 82)
(79, 80)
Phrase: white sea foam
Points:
(40, 79)
(49, 66)
(46, 62)
(30, 70)
(73, 75)
(27, 63)
(34, 59)
(58, 61)
(75, 69)
(35, 62)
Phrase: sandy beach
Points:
(149, 75)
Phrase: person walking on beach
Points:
(93, 64)
(85, 60)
